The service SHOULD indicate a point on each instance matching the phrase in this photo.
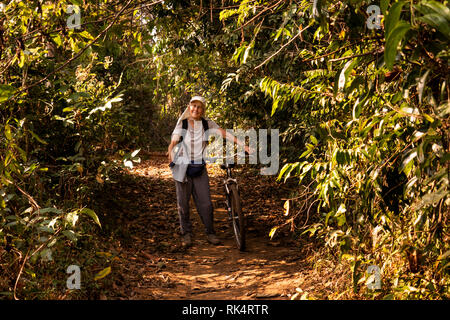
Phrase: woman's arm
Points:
(230, 137)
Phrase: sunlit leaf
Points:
(421, 84)
(91, 214)
(272, 232)
(6, 91)
(102, 273)
(286, 208)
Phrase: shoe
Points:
(212, 238)
(186, 240)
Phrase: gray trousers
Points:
(198, 187)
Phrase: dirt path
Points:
(153, 265)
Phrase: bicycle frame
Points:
(229, 180)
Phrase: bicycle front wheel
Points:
(237, 217)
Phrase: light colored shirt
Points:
(192, 147)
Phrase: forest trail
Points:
(153, 265)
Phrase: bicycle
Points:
(233, 205)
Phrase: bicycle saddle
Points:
(225, 166)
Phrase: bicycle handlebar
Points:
(226, 157)
(213, 159)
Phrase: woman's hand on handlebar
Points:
(248, 150)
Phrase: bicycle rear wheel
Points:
(237, 218)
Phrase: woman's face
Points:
(196, 109)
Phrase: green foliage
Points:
(65, 131)
(372, 110)
(363, 116)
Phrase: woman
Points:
(190, 175)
